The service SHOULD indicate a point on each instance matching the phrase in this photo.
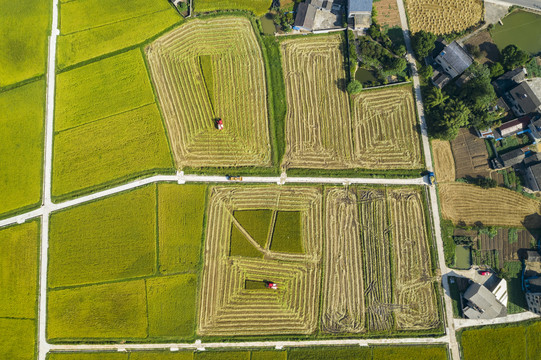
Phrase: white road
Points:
(43, 346)
(462, 323)
(530, 4)
(250, 344)
(434, 207)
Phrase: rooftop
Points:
(484, 304)
(359, 6)
(513, 157)
(525, 96)
(456, 57)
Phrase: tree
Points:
(400, 50)
(486, 183)
(394, 64)
(426, 71)
(473, 50)
(451, 117)
(496, 70)
(513, 57)
(435, 97)
(423, 43)
(354, 87)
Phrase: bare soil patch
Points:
(488, 48)
(470, 154)
(387, 12)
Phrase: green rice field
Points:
(116, 310)
(180, 221)
(85, 14)
(287, 232)
(151, 355)
(24, 28)
(258, 7)
(409, 353)
(88, 356)
(256, 223)
(345, 353)
(18, 340)
(516, 341)
(21, 146)
(520, 28)
(241, 246)
(104, 88)
(95, 42)
(172, 305)
(223, 355)
(110, 150)
(19, 251)
(115, 239)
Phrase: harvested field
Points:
(386, 131)
(417, 307)
(108, 151)
(239, 93)
(95, 42)
(444, 163)
(180, 223)
(471, 204)
(388, 14)
(21, 147)
(377, 258)
(86, 14)
(507, 250)
(443, 16)
(470, 154)
(343, 292)
(116, 310)
(104, 231)
(318, 122)
(101, 89)
(23, 37)
(19, 248)
(226, 307)
(258, 7)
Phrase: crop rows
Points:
(414, 293)
(226, 307)
(377, 253)
(239, 93)
(443, 16)
(343, 292)
(318, 123)
(385, 128)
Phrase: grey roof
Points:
(456, 57)
(440, 79)
(359, 6)
(535, 172)
(306, 13)
(534, 284)
(532, 255)
(533, 159)
(482, 303)
(508, 80)
(525, 97)
(517, 75)
(513, 157)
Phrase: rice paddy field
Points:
(443, 16)
(520, 28)
(515, 341)
(471, 204)
(210, 69)
(23, 30)
(19, 249)
(314, 353)
(21, 148)
(112, 282)
(89, 29)
(258, 7)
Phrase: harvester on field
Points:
(270, 285)
(219, 123)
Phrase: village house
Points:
(525, 97)
(532, 280)
(485, 303)
(318, 15)
(449, 63)
(360, 12)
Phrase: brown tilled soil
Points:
(444, 162)
(387, 12)
(489, 50)
(506, 251)
(471, 156)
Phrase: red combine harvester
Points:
(219, 124)
(271, 285)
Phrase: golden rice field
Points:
(444, 162)
(443, 16)
(385, 129)
(226, 306)
(208, 69)
(491, 207)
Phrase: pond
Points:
(267, 24)
(462, 257)
(364, 76)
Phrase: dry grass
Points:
(444, 163)
(495, 207)
(443, 16)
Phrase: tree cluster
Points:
(423, 42)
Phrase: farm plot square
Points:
(208, 71)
